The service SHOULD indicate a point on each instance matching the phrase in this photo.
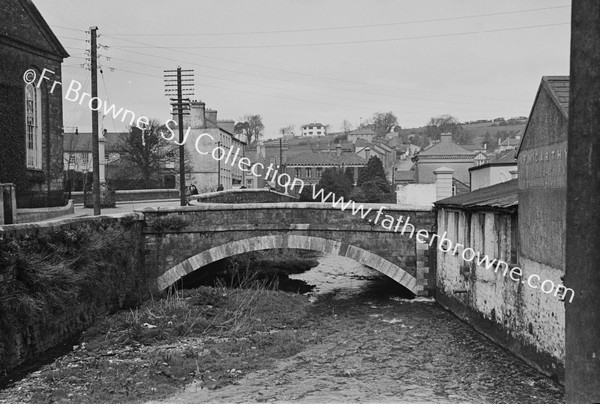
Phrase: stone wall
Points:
(524, 320)
(39, 214)
(180, 239)
(244, 196)
(543, 184)
(135, 195)
(112, 281)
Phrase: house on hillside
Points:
(509, 143)
(314, 129)
(448, 154)
(31, 116)
(385, 153)
(367, 134)
(367, 150)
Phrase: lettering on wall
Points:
(544, 167)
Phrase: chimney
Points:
(338, 149)
(228, 125)
(443, 182)
(196, 118)
(446, 137)
(367, 153)
(211, 118)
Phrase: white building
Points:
(314, 129)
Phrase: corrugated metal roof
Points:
(503, 196)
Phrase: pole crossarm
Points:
(179, 106)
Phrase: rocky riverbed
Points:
(354, 338)
(386, 350)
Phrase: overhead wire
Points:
(278, 88)
(176, 49)
(107, 99)
(307, 75)
(348, 27)
(285, 89)
(362, 92)
(345, 27)
(363, 41)
(299, 73)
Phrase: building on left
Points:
(31, 117)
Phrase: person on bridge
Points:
(191, 190)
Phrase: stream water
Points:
(379, 346)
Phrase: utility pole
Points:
(280, 159)
(582, 274)
(95, 147)
(180, 106)
(280, 153)
(219, 170)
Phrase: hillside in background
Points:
(478, 133)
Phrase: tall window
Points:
(298, 173)
(308, 173)
(33, 128)
(319, 170)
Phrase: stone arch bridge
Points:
(184, 239)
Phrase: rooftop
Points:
(404, 175)
(325, 159)
(558, 88)
(362, 131)
(473, 147)
(83, 142)
(445, 147)
(510, 156)
(503, 196)
(510, 142)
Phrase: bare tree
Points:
(446, 123)
(251, 126)
(147, 151)
(287, 130)
(346, 126)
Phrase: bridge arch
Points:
(332, 247)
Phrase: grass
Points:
(47, 275)
(212, 335)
